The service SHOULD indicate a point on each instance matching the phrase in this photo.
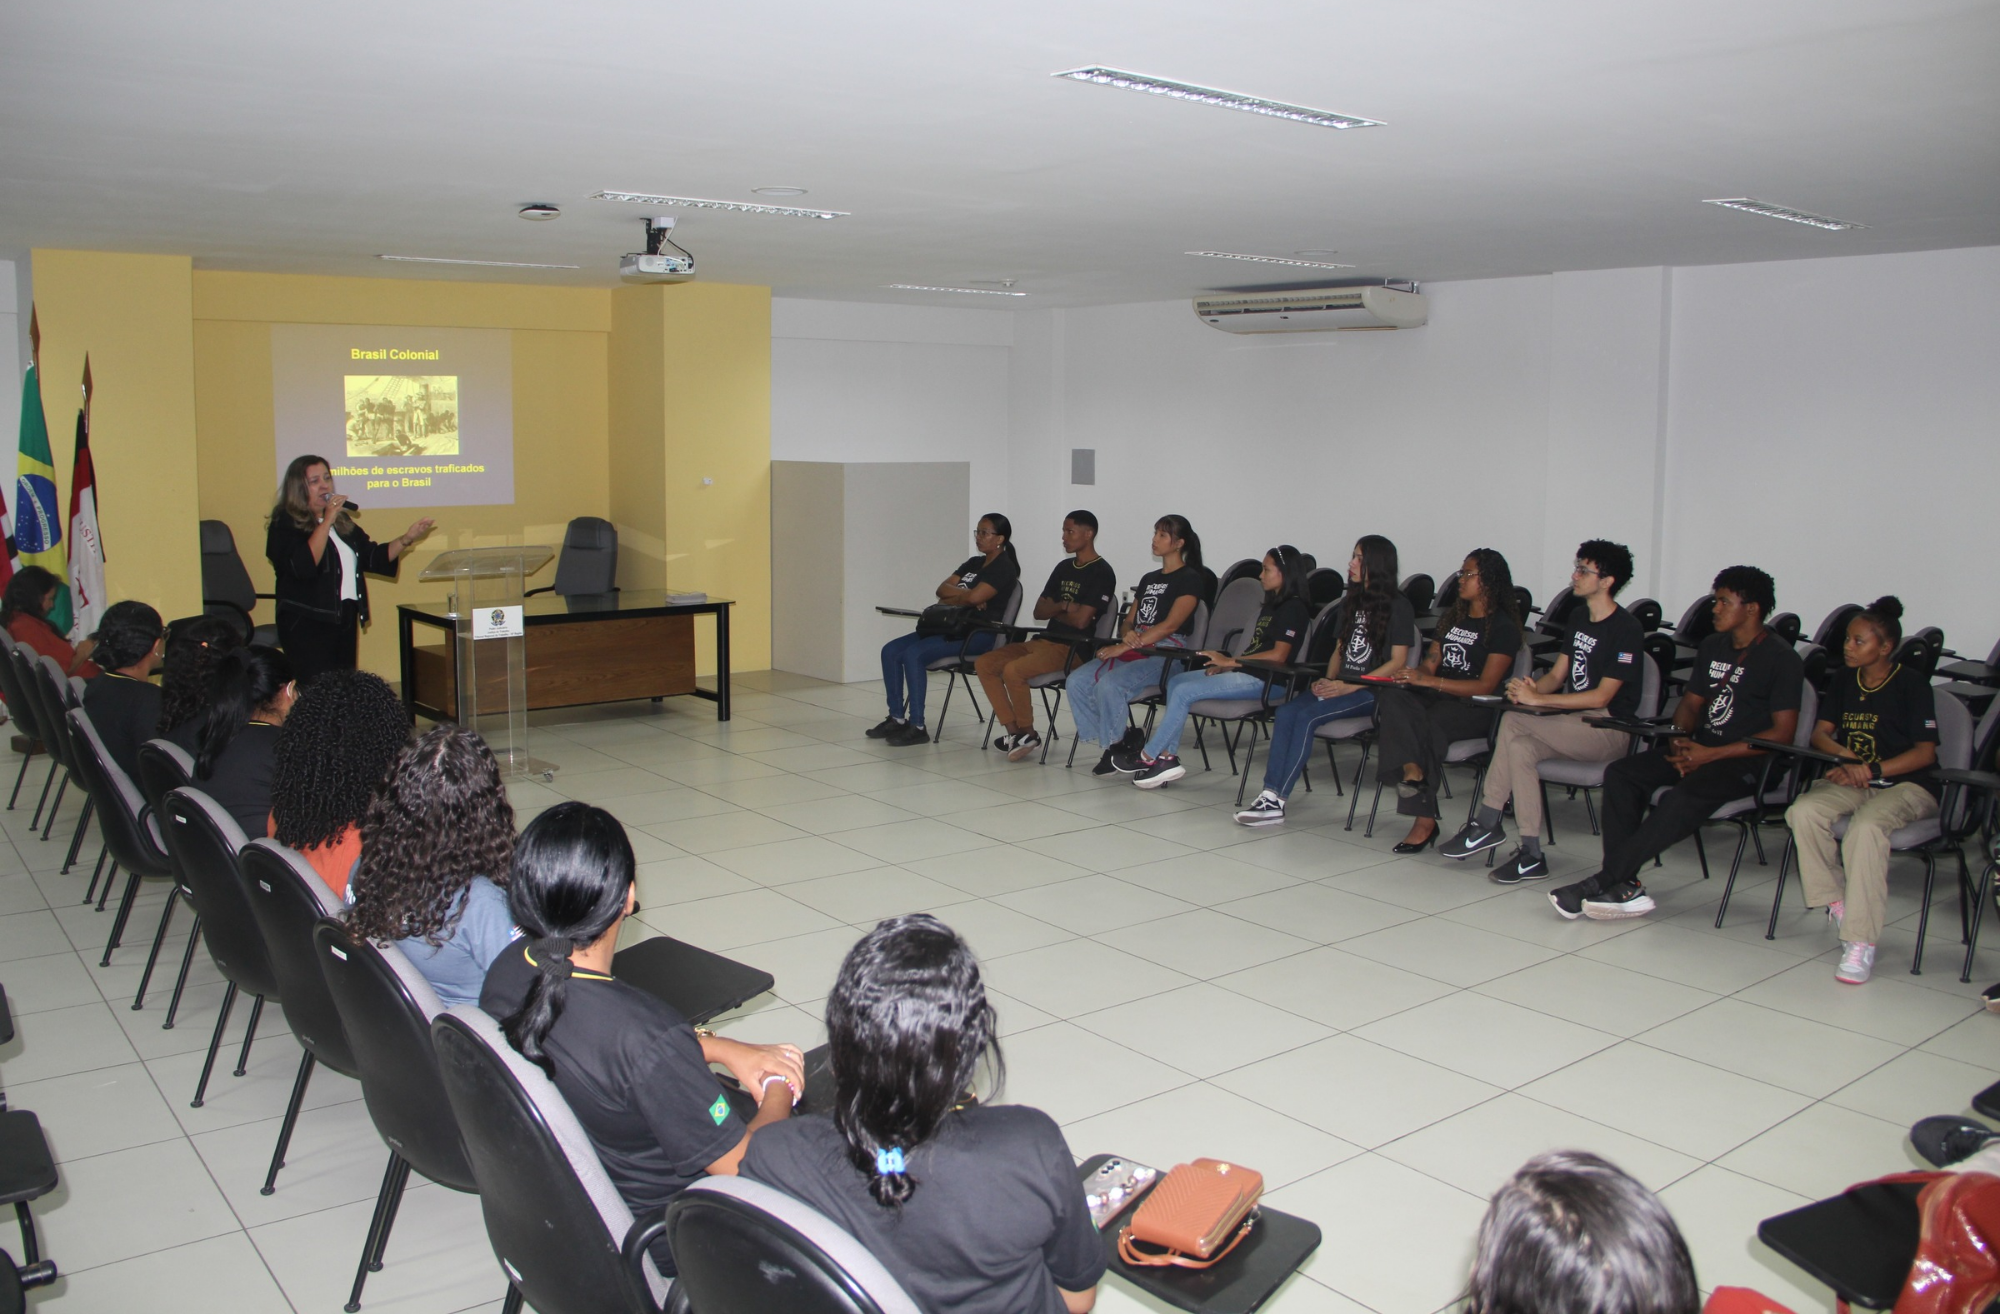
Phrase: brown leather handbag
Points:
(1197, 1213)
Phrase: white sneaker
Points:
(1857, 962)
(1267, 809)
(1836, 912)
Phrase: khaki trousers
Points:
(1004, 674)
(1864, 884)
(1525, 741)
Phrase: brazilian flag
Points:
(37, 513)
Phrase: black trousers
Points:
(316, 645)
(1417, 725)
(1633, 836)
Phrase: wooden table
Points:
(599, 648)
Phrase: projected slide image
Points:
(402, 415)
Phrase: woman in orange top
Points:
(23, 609)
(334, 750)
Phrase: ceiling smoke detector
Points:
(540, 210)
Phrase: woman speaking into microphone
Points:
(320, 556)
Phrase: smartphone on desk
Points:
(1114, 1186)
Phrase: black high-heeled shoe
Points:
(1428, 840)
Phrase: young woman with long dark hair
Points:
(631, 1068)
(984, 581)
(24, 610)
(124, 703)
(321, 557)
(235, 742)
(334, 751)
(436, 845)
(1162, 612)
(1430, 706)
(1880, 718)
(975, 1207)
(195, 647)
(1376, 627)
(1274, 637)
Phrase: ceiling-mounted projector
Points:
(654, 265)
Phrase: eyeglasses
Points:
(1581, 569)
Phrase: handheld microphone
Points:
(348, 506)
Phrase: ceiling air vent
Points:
(1314, 310)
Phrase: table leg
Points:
(405, 642)
(722, 663)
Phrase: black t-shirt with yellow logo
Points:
(1886, 721)
(1094, 585)
(1159, 590)
(1279, 622)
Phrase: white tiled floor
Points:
(1386, 1038)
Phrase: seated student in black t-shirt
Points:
(984, 582)
(632, 1070)
(123, 703)
(976, 1208)
(1274, 636)
(1599, 675)
(1881, 717)
(1745, 687)
(187, 673)
(1471, 652)
(235, 744)
(1081, 589)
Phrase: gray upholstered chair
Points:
(589, 560)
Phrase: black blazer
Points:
(311, 587)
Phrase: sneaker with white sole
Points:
(1857, 963)
(1267, 809)
(1162, 770)
(1620, 901)
(1003, 744)
(1471, 838)
(1568, 899)
(1024, 745)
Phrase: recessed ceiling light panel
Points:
(971, 291)
(453, 260)
(1750, 205)
(1236, 100)
(704, 203)
(779, 191)
(1270, 260)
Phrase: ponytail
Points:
(572, 871)
(1179, 527)
(245, 681)
(1005, 529)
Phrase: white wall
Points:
(856, 382)
(1836, 422)
(14, 336)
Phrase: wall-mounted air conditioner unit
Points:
(1314, 310)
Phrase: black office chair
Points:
(58, 696)
(21, 708)
(1247, 568)
(728, 1233)
(1787, 626)
(1961, 668)
(226, 589)
(1920, 651)
(22, 659)
(131, 834)
(1832, 631)
(1647, 611)
(288, 899)
(164, 767)
(1697, 622)
(205, 842)
(589, 560)
(386, 1007)
(564, 1238)
(1324, 585)
(1421, 590)
(959, 667)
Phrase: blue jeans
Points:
(1188, 688)
(1292, 733)
(906, 668)
(1098, 694)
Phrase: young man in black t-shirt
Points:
(1600, 673)
(1745, 687)
(1080, 590)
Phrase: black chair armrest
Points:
(1642, 729)
(646, 1229)
(1986, 780)
(546, 588)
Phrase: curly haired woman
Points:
(435, 848)
(334, 751)
(195, 647)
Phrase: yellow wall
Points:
(691, 368)
(560, 336)
(132, 315)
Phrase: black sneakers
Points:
(889, 726)
(1520, 868)
(1472, 838)
(1947, 1138)
(907, 736)
(1568, 899)
(1621, 901)
(1023, 746)
(1162, 770)
(1105, 766)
